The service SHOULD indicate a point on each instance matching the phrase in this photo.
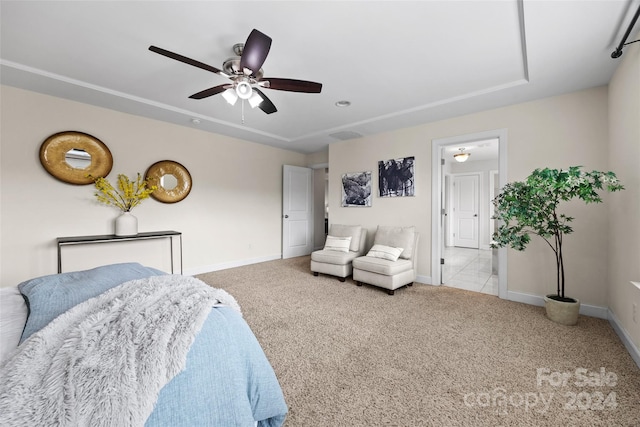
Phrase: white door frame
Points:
(492, 194)
(436, 204)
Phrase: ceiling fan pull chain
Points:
(243, 111)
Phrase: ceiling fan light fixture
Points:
(230, 96)
(244, 90)
(245, 72)
(461, 156)
(255, 100)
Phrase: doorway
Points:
(456, 257)
(470, 269)
(297, 211)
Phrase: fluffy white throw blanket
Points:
(103, 362)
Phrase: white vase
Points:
(126, 225)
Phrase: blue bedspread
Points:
(227, 382)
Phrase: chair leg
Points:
(410, 284)
(342, 279)
(358, 283)
(391, 291)
(315, 273)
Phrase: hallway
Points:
(469, 269)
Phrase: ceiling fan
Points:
(246, 74)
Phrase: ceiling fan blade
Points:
(209, 92)
(266, 105)
(293, 85)
(255, 51)
(186, 60)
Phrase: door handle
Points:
(475, 214)
(286, 216)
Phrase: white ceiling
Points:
(399, 63)
(481, 150)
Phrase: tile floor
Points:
(469, 269)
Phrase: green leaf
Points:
(531, 206)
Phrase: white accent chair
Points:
(338, 263)
(378, 268)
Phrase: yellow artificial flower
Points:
(128, 195)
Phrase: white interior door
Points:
(297, 211)
(465, 210)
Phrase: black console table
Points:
(106, 238)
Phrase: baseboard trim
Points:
(426, 280)
(585, 309)
(230, 264)
(525, 298)
(624, 337)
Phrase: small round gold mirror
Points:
(172, 179)
(75, 157)
(168, 182)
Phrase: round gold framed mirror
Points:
(75, 157)
(172, 179)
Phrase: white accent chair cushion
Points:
(339, 244)
(397, 237)
(336, 263)
(385, 252)
(386, 273)
(353, 231)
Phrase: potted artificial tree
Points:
(531, 207)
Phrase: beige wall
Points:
(557, 132)
(624, 209)
(233, 177)
(232, 215)
(363, 154)
(318, 158)
(319, 186)
(319, 161)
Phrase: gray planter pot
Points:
(563, 312)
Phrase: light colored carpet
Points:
(428, 356)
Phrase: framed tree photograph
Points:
(356, 189)
(396, 177)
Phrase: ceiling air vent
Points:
(344, 135)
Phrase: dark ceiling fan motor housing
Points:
(232, 65)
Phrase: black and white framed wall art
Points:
(396, 177)
(356, 189)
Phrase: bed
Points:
(129, 345)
